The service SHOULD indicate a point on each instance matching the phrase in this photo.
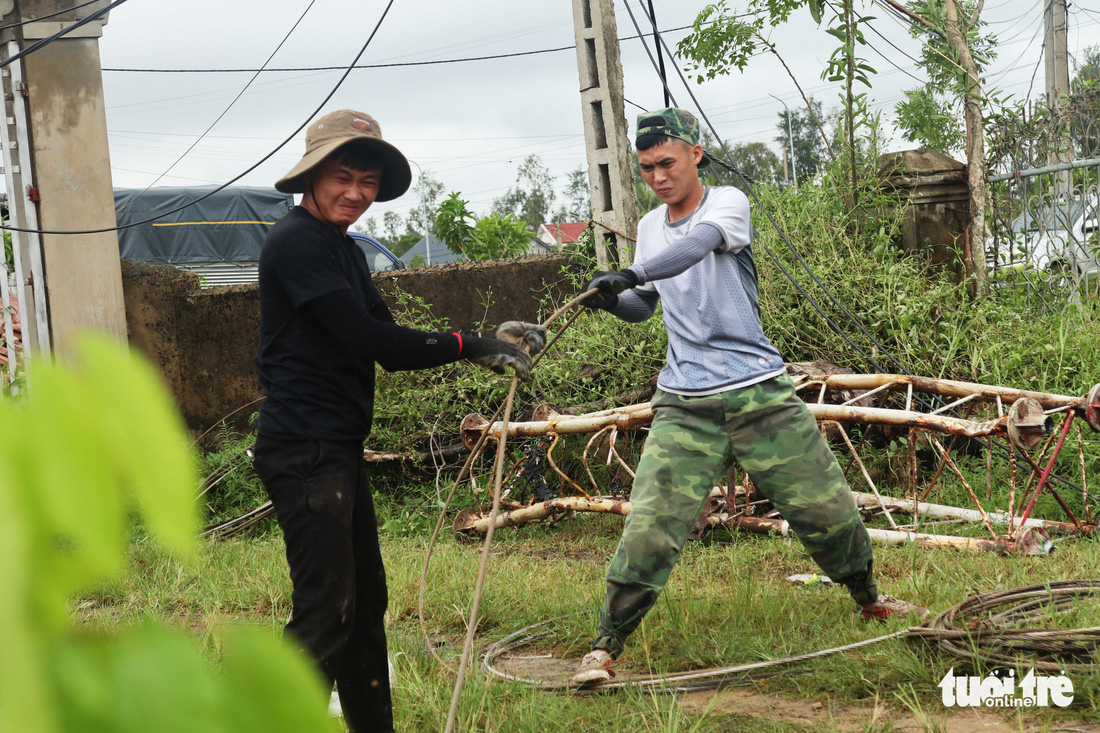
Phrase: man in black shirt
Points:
(323, 326)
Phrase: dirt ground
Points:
(812, 714)
(817, 715)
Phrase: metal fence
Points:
(1045, 203)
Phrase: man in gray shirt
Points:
(723, 395)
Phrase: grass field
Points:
(728, 603)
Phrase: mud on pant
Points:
(693, 441)
(324, 506)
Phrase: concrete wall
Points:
(934, 189)
(204, 341)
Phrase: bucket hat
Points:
(348, 127)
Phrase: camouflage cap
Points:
(673, 122)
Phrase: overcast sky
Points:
(469, 123)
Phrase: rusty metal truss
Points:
(938, 419)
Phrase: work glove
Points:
(608, 285)
(496, 354)
(530, 337)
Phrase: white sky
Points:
(470, 123)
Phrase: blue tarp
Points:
(229, 226)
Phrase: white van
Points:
(1060, 240)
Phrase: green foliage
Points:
(578, 199)
(488, 238)
(929, 120)
(9, 253)
(721, 41)
(427, 190)
(1085, 104)
(810, 153)
(92, 444)
(921, 315)
(598, 357)
(756, 161)
(930, 115)
(229, 486)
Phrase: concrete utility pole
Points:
(58, 173)
(610, 178)
(1057, 75)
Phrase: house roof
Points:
(566, 232)
(433, 251)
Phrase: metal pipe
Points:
(1072, 165)
(941, 511)
(945, 388)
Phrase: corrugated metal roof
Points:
(212, 274)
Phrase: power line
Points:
(50, 15)
(228, 107)
(805, 266)
(392, 65)
(64, 31)
(1012, 66)
(783, 235)
(253, 167)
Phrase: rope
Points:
(973, 629)
(471, 624)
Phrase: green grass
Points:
(727, 603)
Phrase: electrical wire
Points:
(829, 294)
(783, 235)
(63, 32)
(50, 15)
(257, 164)
(395, 64)
(973, 630)
(1090, 13)
(226, 110)
(1012, 66)
(924, 29)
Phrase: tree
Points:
(532, 196)
(428, 190)
(932, 115)
(926, 117)
(721, 41)
(578, 198)
(1084, 104)
(757, 161)
(954, 53)
(489, 238)
(809, 147)
(397, 234)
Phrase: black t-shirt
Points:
(323, 325)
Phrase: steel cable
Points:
(977, 629)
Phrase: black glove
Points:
(609, 285)
(530, 337)
(496, 354)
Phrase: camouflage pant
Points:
(693, 441)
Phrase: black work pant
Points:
(323, 504)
